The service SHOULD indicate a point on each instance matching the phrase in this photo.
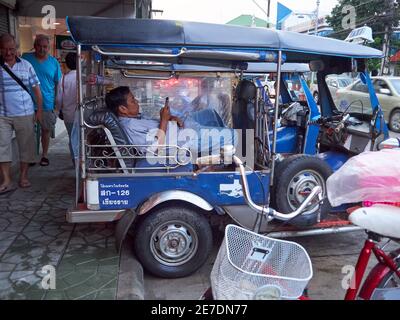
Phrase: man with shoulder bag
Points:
(17, 111)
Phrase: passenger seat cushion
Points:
(111, 122)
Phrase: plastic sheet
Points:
(370, 176)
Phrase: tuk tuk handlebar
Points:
(270, 213)
(228, 152)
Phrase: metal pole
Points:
(81, 122)
(277, 94)
(316, 18)
(388, 32)
(268, 12)
(385, 50)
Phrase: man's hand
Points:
(178, 121)
(39, 115)
(39, 103)
(165, 114)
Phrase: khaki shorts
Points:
(25, 133)
(49, 121)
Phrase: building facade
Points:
(308, 27)
(8, 21)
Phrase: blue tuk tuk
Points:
(170, 195)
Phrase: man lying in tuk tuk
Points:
(193, 133)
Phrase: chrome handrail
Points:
(131, 76)
(142, 55)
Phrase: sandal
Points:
(44, 162)
(6, 189)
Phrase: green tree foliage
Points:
(374, 13)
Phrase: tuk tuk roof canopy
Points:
(146, 34)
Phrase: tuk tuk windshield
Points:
(292, 84)
(294, 88)
(349, 93)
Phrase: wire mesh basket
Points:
(248, 262)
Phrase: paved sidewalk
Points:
(34, 234)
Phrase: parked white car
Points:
(334, 82)
(388, 93)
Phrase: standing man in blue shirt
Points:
(49, 73)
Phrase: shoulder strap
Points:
(15, 77)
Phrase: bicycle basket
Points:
(248, 261)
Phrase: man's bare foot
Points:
(24, 183)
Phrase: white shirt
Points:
(67, 96)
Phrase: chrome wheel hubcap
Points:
(173, 243)
(301, 186)
(395, 121)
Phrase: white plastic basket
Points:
(248, 261)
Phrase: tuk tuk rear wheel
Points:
(173, 242)
(295, 178)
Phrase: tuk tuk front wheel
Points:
(173, 242)
(295, 178)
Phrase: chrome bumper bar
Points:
(89, 216)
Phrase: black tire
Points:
(185, 227)
(395, 127)
(309, 171)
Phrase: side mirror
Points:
(385, 91)
(392, 143)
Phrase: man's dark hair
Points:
(70, 61)
(117, 97)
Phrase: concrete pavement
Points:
(34, 235)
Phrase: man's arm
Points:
(165, 116)
(57, 78)
(35, 85)
(58, 97)
(39, 102)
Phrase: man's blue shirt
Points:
(49, 74)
